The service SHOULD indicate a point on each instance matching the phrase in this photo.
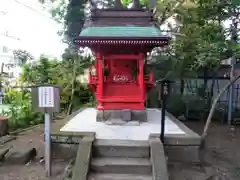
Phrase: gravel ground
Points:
(222, 158)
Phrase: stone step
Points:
(108, 176)
(121, 148)
(121, 165)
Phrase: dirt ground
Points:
(222, 158)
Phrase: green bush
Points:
(176, 104)
(20, 113)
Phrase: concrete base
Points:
(121, 117)
(120, 152)
(85, 122)
(186, 154)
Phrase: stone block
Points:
(121, 115)
(100, 116)
(21, 155)
(126, 115)
(139, 115)
(187, 154)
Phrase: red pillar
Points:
(100, 79)
(141, 77)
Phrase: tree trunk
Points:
(136, 4)
(70, 107)
(118, 4)
(209, 119)
(3, 125)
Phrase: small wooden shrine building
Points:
(120, 40)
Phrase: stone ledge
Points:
(158, 159)
(80, 170)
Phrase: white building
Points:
(8, 44)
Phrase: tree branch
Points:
(209, 119)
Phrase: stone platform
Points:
(175, 131)
(129, 151)
(108, 150)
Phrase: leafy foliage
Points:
(20, 113)
(63, 73)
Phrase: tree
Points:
(231, 10)
(22, 56)
(64, 73)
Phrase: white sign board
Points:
(46, 97)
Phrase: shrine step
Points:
(121, 148)
(121, 165)
(108, 176)
(120, 160)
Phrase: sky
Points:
(30, 27)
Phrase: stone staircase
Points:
(120, 160)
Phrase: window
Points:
(5, 49)
(11, 74)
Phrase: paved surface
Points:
(85, 121)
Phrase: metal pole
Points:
(230, 105)
(163, 102)
(47, 144)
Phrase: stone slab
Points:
(21, 155)
(118, 148)
(121, 165)
(109, 176)
(85, 122)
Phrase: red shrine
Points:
(120, 40)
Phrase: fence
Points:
(191, 87)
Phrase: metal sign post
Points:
(46, 99)
(47, 133)
(163, 93)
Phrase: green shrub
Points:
(176, 104)
(20, 113)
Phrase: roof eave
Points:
(159, 38)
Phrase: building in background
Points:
(8, 64)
